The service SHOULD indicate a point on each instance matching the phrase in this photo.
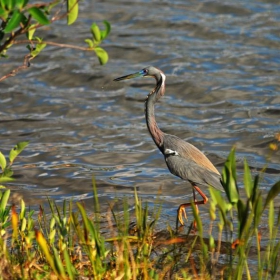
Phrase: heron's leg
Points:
(205, 198)
(181, 209)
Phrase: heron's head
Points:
(146, 72)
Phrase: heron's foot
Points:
(182, 214)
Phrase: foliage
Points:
(245, 232)
(6, 174)
(69, 243)
(24, 17)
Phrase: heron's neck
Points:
(152, 98)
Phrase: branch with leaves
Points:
(19, 18)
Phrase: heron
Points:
(182, 158)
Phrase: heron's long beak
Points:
(130, 76)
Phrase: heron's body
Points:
(182, 158)
(187, 162)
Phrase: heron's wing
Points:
(188, 151)
(191, 171)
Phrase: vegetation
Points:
(20, 20)
(68, 242)
(7, 173)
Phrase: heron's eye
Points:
(144, 72)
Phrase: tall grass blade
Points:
(58, 265)
(248, 183)
(229, 178)
(273, 192)
(243, 212)
(96, 202)
(271, 218)
(44, 246)
(14, 223)
(258, 210)
(71, 271)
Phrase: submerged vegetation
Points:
(241, 241)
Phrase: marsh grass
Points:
(68, 243)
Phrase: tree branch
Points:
(53, 44)
(25, 65)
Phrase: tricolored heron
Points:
(182, 158)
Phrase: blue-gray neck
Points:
(152, 98)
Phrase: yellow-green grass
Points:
(68, 242)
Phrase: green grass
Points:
(241, 240)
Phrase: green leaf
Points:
(3, 162)
(4, 200)
(258, 209)
(21, 3)
(102, 55)
(105, 33)
(14, 21)
(22, 207)
(89, 42)
(198, 220)
(256, 190)
(45, 248)
(96, 32)
(3, 13)
(243, 211)
(23, 224)
(229, 178)
(273, 192)
(58, 264)
(221, 203)
(38, 15)
(25, 2)
(211, 242)
(18, 148)
(73, 11)
(38, 49)
(5, 179)
(9, 4)
(248, 183)
(69, 266)
(31, 31)
(271, 219)
(52, 5)
(8, 172)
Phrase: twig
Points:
(25, 65)
(53, 44)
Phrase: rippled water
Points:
(222, 64)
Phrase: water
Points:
(223, 89)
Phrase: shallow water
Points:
(223, 89)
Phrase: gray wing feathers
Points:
(191, 171)
(187, 151)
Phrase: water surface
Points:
(222, 65)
